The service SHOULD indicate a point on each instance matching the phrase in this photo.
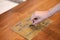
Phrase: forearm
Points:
(54, 9)
(41, 15)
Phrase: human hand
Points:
(38, 16)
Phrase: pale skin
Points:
(39, 16)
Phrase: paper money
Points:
(27, 30)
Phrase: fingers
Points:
(38, 16)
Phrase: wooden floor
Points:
(11, 17)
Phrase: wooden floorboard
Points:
(11, 17)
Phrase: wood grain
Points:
(11, 17)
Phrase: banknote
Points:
(26, 29)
